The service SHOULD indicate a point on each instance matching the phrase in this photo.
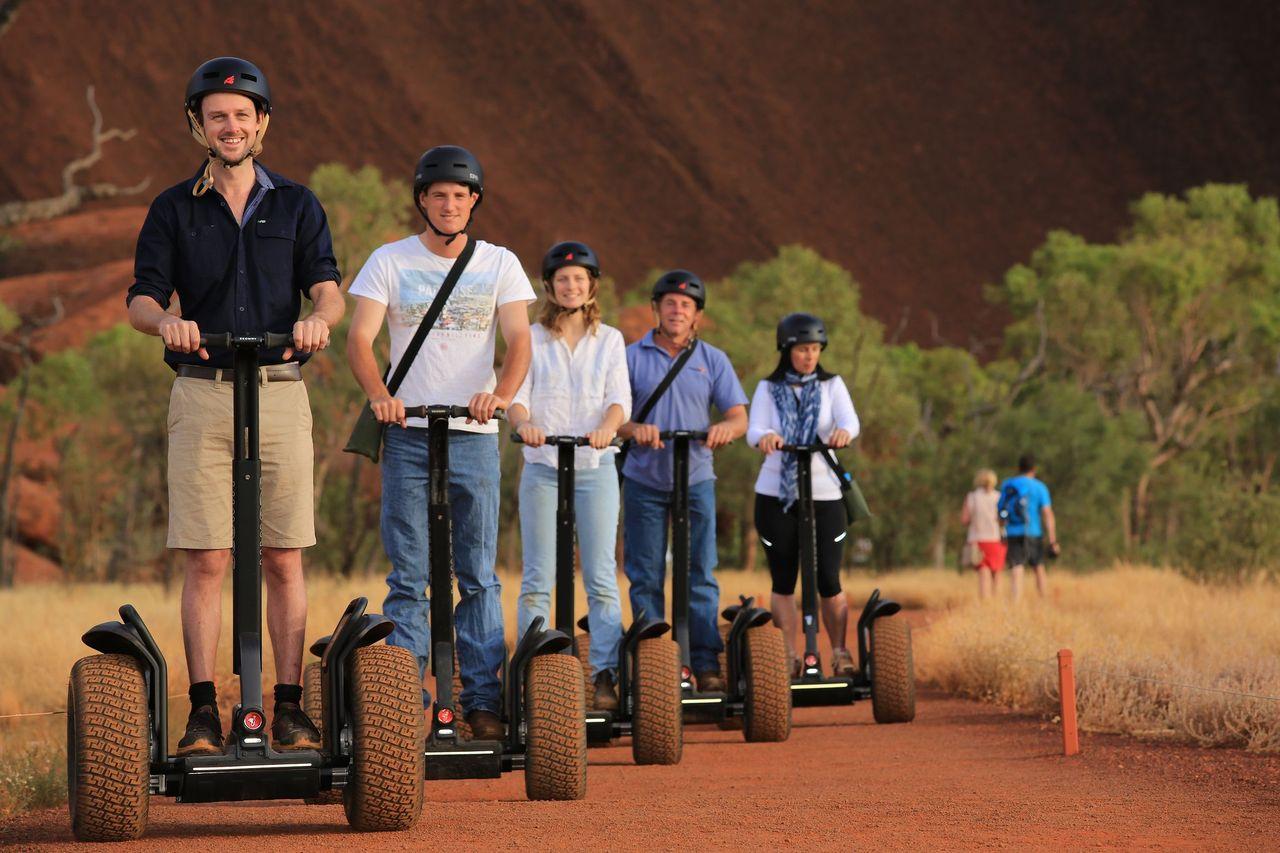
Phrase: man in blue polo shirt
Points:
(1024, 505)
(706, 379)
(240, 246)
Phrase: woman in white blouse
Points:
(800, 403)
(577, 385)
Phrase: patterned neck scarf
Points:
(798, 410)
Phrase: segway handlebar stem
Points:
(226, 340)
(442, 411)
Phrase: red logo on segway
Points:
(445, 716)
(230, 80)
(810, 660)
(252, 721)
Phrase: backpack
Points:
(1012, 506)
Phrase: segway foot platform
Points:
(603, 728)
(813, 690)
(228, 778)
(466, 759)
(704, 707)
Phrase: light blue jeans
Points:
(473, 498)
(595, 496)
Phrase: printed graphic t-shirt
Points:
(456, 359)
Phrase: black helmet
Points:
(681, 281)
(449, 163)
(229, 74)
(801, 329)
(569, 254)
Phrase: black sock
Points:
(203, 693)
(289, 693)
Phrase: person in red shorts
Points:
(984, 548)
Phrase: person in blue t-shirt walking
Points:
(1027, 514)
(707, 379)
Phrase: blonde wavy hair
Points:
(985, 479)
(551, 313)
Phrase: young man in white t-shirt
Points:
(454, 367)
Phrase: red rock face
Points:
(924, 146)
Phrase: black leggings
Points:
(780, 535)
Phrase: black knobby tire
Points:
(728, 724)
(556, 751)
(767, 709)
(384, 791)
(460, 724)
(582, 648)
(893, 674)
(313, 707)
(657, 727)
(108, 748)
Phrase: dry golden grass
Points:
(1142, 639)
(1123, 625)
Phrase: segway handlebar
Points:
(668, 434)
(441, 411)
(816, 447)
(226, 340)
(575, 440)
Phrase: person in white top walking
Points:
(801, 403)
(984, 542)
(577, 385)
(454, 367)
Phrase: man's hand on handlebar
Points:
(388, 410)
(718, 435)
(647, 435)
(309, 335)
(839, 438)
(770, 443)
(600, 438)
(531, 435)
(181, 335)
(483, 405)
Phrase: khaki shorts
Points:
(200, 450)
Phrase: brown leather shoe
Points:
(485, 725)
(204, 733)
(291, 728)
(710, 681)
(606, 698)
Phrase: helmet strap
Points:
(448, 238)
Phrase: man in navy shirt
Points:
(706, 379)
(240, 246)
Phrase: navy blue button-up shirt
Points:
(231, 277)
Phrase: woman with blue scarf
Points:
(800, 403)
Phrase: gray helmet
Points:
(801, 329)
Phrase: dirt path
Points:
(963, 775)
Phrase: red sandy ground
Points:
(962, 775)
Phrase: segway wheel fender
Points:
(108, 748)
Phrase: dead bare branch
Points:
(73, 194)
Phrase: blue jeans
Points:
(646, 512)
(473, 497)
(595, 495)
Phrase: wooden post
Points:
(1067, 689)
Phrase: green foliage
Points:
(364, 211)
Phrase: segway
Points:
(649, 708)
(754, 664)
(542, 691)
(118, 710)
(886, 672)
